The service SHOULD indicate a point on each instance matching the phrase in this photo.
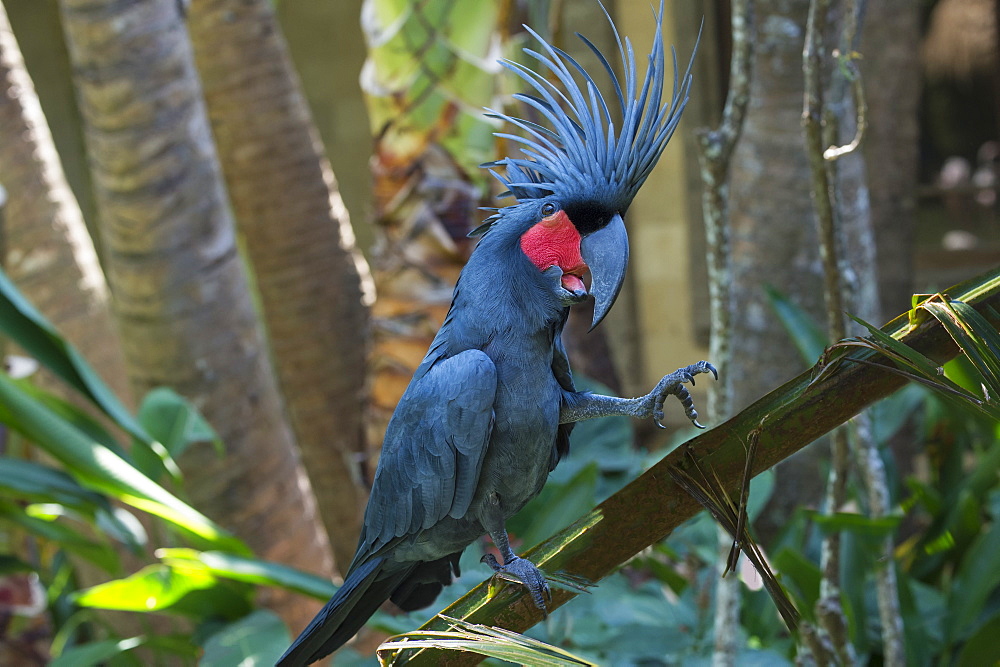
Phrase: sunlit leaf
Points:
(174, 421)
(152, 588)
(100, 469)
(162, 588)
(25, 325)
(979, 341)
(249, 570)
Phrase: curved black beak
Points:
(606, 253)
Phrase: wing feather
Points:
(433, 451)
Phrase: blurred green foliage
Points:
(68, 492)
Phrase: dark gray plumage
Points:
(489, 411)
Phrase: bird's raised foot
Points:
(673, 385)
(524, 572)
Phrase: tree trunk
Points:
(318, 34)
(182, 299)
(48, 251)
(47, 61)
(890, 46)
(774, 237)
(314, 285)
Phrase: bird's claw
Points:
(673, 385)
(524, 572)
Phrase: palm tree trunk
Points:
(48, 251)
(182, 298)
(314, 285)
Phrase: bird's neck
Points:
(504, 291)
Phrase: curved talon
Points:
(673, 384)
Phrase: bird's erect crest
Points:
(581, 153)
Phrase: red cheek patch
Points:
(555, 242)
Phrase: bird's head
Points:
(578, 174)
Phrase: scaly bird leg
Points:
(582, 405)
(514, 568)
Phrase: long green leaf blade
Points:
(98, 468)
(971, 332)
(29, 328)
(249, 570)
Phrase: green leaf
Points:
(102, 555)
(890, 414)
(25, 325)
(41, 483)
(249, 570)
(121, 525)
(800, 577)
(923, 370)
(190, 592)
(74, 415)
(924, 611)
(858, 524)
(100, 469)
(761, 490)
(808, 337)
(95, 653)
(12, 565)
(257, 639)
(173, 421)
(979, 341)
(977, 578)
(982, 648)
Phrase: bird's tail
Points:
(364, 590)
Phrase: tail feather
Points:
(363, 592)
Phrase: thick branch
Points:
(648, 509)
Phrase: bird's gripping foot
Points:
(524, 572)
(673, 385)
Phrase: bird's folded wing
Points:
(433, 451)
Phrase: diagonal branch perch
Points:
(652, 506)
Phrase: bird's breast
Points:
(524, 433)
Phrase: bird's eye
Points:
(548, 208)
